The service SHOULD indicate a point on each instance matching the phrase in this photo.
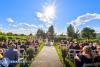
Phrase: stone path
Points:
(47, 58)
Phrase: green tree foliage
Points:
(30, 34)
(22, 34)
(88, 33)
(3, 38)
(50, 32)
(40, 34)
(9, 34)
(70, 31)
(1, 33)
(77, 35)
(15, 34)
(98, 36)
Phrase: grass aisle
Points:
(59, 53)
(47, 58)
(68, 62)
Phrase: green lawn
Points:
(68, 62)
(39, 49)
(59, 52)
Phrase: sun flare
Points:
(49, 11)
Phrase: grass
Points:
(39, 49)
(59, 52)
(41, 46)
(68, 62)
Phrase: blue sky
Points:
(26, 16)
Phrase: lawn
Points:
(59, 52)
(68, 62)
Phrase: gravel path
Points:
(47, 58)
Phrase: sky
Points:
(26, 16)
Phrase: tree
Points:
(88, 33)
(76, 35)
(70, 31)
(40, 33)
(30, 34)
(50, 32)
(1, 33)
(22, 34)
(9, 34)
(3, 38)
(15, 34)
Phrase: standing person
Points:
(51, 43)
(46, 41)
(12, 55)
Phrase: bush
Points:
(3, 38)
(69, 63)
(58, 39)
(10, 37)
(30, 53)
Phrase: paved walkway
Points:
(47, 58)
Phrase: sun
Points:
(49, 11)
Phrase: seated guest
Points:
(81, 46)
(85, 57)
(71, 45)
(1, 57)
(1, 53)
(76, 46)
(3, 45)
(94, 46)
(97, 58)
(11, 54)
(23, 46)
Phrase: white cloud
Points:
(47, 14)
(10, 20)
(20, 27)
(23, 28)
(24, 25)
(80, 20)
(97, 29)
(27, 26)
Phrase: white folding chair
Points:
(71, 53)
(97, 64)
(89, 65)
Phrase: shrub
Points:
(69, 63)
(10, 37)
(30, 53)
(3, 38)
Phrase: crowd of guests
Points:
(11, 49)
(89, 52)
